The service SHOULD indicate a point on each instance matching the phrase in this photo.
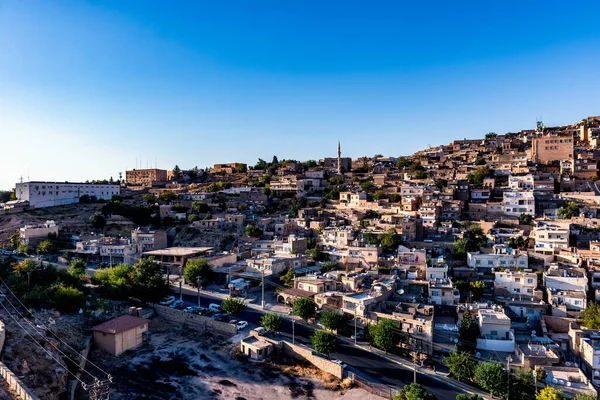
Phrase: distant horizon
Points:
(88, 87)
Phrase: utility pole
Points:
(28, 281)
(263, 290)
(198, 284)
(180, 282)
(99, 390)
(293, 325)
(508, 360)
(415, 366)
(355, 330)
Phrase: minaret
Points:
(339, 169)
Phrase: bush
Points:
(68, 299)
(233, 306)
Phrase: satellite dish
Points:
(596, 373)
(400, 291)
(568, 363)
(569, 384)
(455, 340)
(555, 381)
(478, 354)
(561, 382)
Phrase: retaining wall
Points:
(197, 322)
(15, 385)
(84, 354)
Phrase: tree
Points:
(525, 219)
(463, 396)
(480, 161)
(516, 242)
(477, 177)
(77, 268)
(177, 174)
(585, 396)
(310, 164)
(522, 382)
(149, 284)
(379, 195)
(469, 332)
(167, 196)
(200, 207)
(414, 391)
(253, 231)
(275, 161)
(116, 282)
(420, 175)
(461, 365)
(272, 322)
(68, 299)
(25, 266)
(98, 221)
(288, 277)
(241, 168)
(14, 240)
(590, 317)
(403, 163)
(491, 135)
(304, 308)
(550, 393)
(267, 191)
(323, 342)
(461, 247)
(395, 198)
(46, 246)
(25, 249)
(366, 186)
(477, 289)
(198, 269)
(568, 211)
(492, 377)
(149, 198)
(329, 266)
(233, 306)
(332, 320)
(384, 334)
(193, 218)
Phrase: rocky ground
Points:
(181, 365)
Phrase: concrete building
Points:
(51, 194)
(414, 320)
(120, 334)
(496, 332)
(34, 234)
(352, 199)
(570, 381)
(148, 240)
(316, 284)
(275, 265)
(228, 168)
(486, 261)
(519, 285)
(518, 202)
(256, 348)
(549, 148)
(175, 258)
(550, 239)
(443, 293)
(145, 177)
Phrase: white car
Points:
(176, 303)
(261, 331)
(339, 362)
(167, 300)
(241, 325)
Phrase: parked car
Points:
(241, 325)
(220, 317)
(261, 331)
(233, 321)
(216, 308)
(192, 309)
(360, 335)
(339, 362)
(167, 300)
(176, 303)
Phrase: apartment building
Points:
(430, 214)
(412, 263)
(496, 332)
(275, 265)
(524, 182)
(516, 203)
(565, 278)
(337, 237)
(352, 199)
(316, 284)
(228, 168)
(519, 285)
(147, 239)
(549, 148)
(415, 321)
(550, 239)
(51, 194)
(499, 256)
(145, 177)
(585, 345)
(35, 234)
(443, 292)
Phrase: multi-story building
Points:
(549, 239)
(228, 168)
(430, 214)
(496, 332)
(443, 292)
(145, 177)
(337, 237)
(147, 239)
(275, 265)
(550, 148)
(519, 285)
(415, 321)
(518, 202)
(486, 261)
(565, 278)
(50, 194)
(34, 234)
(352, 199)
(316, 284)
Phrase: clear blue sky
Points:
(86, 87)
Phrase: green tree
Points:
(253, 231)
(477, 177)
(383, 334)
(304, 308)
(463, 396)
(288, 277)
(198, 269)
(116, 282)
(241, 169)
(46, 246)
(193, 218)
(332, 320)
(379, 195)
(550, 393)
(525, 219)
(491, 135)
(590, 317)
(68, 299)
(233, 305)
(200, 207)
(149, 198)
(167, 196)
(522, 382)
(310, 164)
(149, 282)
(585, 396)
(420, 175)
(469, 332)
(77, 268)
(328, 266)
(323, 342)
(480, 161)
(461, 248)
(177, 174)
(395, 198)
(414, 391)
(366, 186)
(477, 289)
(568, 211)
(461, 365)
(25, 249)
(403, 163)
(267, 191)
(272, 322)
(492, 377)
(98, 221)
(14, 240)
(516, 242)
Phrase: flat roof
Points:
(178, 251)
(120, 324)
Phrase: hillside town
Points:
(469, 270)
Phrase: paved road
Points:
(365, 363)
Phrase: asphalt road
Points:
(367, 364)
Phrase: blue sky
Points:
(88, 87)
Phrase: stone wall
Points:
(194, 321)
(84, 354)
(15, 385)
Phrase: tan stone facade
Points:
(546, 149)
(145, 177)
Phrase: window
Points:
(494, 333)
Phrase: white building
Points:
(443, 292)
(520, 182)
(518, 202)
(499, 256)
(34, 234)
(550, 238)
(496, 331)
(515, 284)
(565, 278)
(50, 194)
